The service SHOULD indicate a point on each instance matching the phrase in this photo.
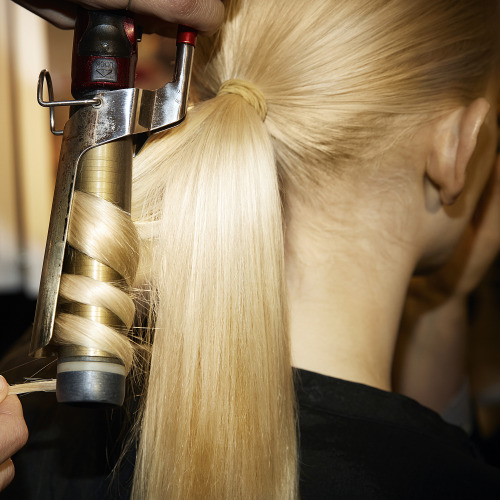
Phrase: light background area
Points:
(26, 163)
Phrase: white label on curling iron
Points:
(95, 366)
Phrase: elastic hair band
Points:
(248, 91)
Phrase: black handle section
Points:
(104, 52)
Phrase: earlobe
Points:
(453, 143)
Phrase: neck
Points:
(347, 288)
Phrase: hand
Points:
(155, 16)
(473, 257)
(430, 359)
(13, 432)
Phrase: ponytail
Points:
(218, 418)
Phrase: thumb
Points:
(4, 388)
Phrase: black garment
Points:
(358, 442)
(71, 451)
(70, 454)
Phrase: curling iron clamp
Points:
(109, 121)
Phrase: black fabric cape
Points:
(356, 442)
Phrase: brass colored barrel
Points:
(106, 171)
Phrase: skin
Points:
(155, 16)
(13, 432)
(348, 273)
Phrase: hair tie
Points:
(248, 91)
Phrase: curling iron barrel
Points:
(104, 59)
(109, 120)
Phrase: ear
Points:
(453, 143)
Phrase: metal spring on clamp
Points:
(45, 76)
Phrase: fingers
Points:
(6, 473)
(204, 15)
(486, 222)
(13, 432)
(481, 242)
(487, 217)
(155, 15)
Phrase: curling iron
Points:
(109, 122)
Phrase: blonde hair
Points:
(340, 79)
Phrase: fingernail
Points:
(3, 383)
